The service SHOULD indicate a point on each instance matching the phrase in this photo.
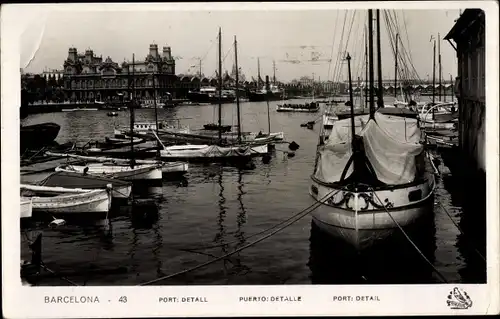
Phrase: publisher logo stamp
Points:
(458, 299)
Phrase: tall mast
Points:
(434, 77)
(366, 68)
(220, 86)
(353, 129)
(274, 72)
(267, 101)
(258, 72)
(370, 55)
(237, 88)
(452, 88)
(380, 101)
(200, 74)
(132, 110)
(396, 68)
(156, 113)
(360, 91)
(439, 65)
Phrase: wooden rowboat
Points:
(56, 200)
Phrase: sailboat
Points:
(220, 151)
(130, 171)
(370, 175)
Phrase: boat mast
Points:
(360, 91)
(200, 74)
(380, 101)
(274, 72)
(396, 68)
(156, 113)
(434, 79)
(353, 130)
(132, 110)
(267, 100)
(237, 88)
(220, 86)
(439, 65)
(452, 88)
(370, 50)
(366, 69)
(258, 72)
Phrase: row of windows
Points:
(119, 84)
(149, 68)
(82, 84)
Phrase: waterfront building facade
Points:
(469, 37)
(89, 78)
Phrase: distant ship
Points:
(209, 94)
(274, 94)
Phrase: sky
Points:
(272, 35)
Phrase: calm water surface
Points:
(217, 205)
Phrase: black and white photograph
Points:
(252, 147)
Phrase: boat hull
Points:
(175, 168)
(328, 121)
(120, 189)
(212, 153)
(260, 97)
(38, 135)
(139, 172)
(289, 109)
(95, 201)
(26, 208)
(359, 218)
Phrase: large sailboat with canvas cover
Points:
(371, 174)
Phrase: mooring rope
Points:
(297, 216)
(408, 238)
(42, 264)
(461, 232)
(262, 231)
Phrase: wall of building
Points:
(471, 97)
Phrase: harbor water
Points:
(213, 210)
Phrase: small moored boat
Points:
(124, 172)
(311, 107)
(121, 189)
(166, 167)
(56, 200)
(212, 152)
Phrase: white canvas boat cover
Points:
(391, 145)
(207, 151)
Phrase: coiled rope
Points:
(408, 238)
(295, 218)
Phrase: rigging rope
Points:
(408, 238)
(297, 216)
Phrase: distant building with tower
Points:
(87, 77)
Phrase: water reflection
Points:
(332, 261)
(471, 241)
(142, 190)
(221, 234)
(241, 218)
(157, 245)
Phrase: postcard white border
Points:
(28, 302)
